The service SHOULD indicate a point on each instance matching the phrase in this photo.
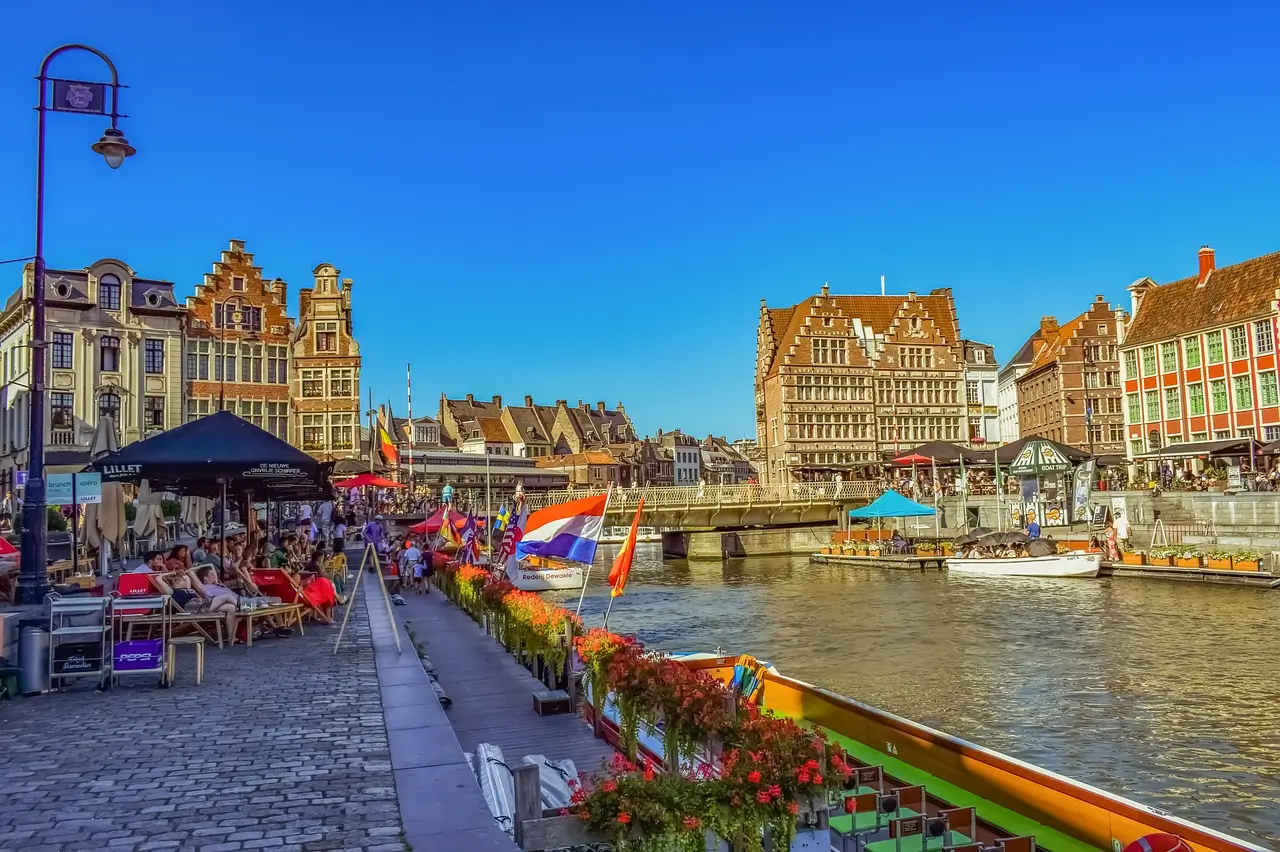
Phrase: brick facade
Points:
(238, 342)
(325, 369)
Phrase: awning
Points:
(1192, 449)
(891, 504)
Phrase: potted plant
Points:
(925, 549)
(1246, 560)
(1134, 557)
(948, 548)
(1219, 560)
(873, 548)
(1186, 557)
(1159, 557)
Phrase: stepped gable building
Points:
(238, 339)
(843, 380)
(325, 368)
(114, 348)
(1199, 356)
(537, 430)
(1070, 392)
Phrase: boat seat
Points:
(871, 811)
(1025, 843)
(923, 833)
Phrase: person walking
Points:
(1122, 532)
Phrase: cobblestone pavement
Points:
(283, 747)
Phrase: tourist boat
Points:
(535, 574)
(617, 535)
(1059, 565)
(1012, 798)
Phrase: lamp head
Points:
(113, 147)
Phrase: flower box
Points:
(1187, 561)
(1133, 559)
(924, 551)
(948, 551)
(1158, 561)
(825, 551)
(1219, 564)
(1246, 565)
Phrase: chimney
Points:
(621, 410)
(826, 290)
(585, 406)
(1048, 328)
(497, 400)
(562, 403)
(471, 397)
(600, 407)
(237, 246)
(528, 401)
(1206, 264)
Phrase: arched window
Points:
(109, 293)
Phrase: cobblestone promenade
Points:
(283, 747)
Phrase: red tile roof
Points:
(1232, 293)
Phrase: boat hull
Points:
(540, 579)
(1062, 565)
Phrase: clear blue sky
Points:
(589, 200)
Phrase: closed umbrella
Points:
(150, 517)
(195, 511)
(105, 521)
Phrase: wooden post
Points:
(528, 789)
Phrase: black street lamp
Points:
(86, 98)
(228, 319)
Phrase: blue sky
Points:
(588, 201)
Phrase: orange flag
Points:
(622, 562)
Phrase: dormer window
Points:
(153, 299)
(979, 356)
(62, 289)
(109, 293)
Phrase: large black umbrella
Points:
(203, 456)
(1042, 547)
(1013, 537)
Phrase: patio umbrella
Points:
(912, 459)
(367, 479)
(105, 521)
(195, 511)
(150, 517)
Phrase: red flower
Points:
(624, 817)
(609, 785)
(802, 775)
(793, 808)
(648, 774)
(763, 797)
(692, 822)
(753, 777)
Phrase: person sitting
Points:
(201, 554)
(318, 590)
(178, 585)
(152, 563)
(221, 599)
(280, 556)
(179, 559)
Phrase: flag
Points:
(448, 531)
(470, 541)
(386, 444)
(622, 562)
(566, 531)
(503, 518)
(512, 536)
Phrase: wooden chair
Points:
(910, 799)
(277, 583)
(962, 822)
(140, 585)
(904, 828)
(868, 779)
(1023, 843)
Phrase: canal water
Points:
(1167, 693)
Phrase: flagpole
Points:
(488, 501)
(586, 575)
(999, 488)
(408, 393)
(937, 517)
(608, 610)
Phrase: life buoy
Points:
(1159, 842)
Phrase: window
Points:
(1218, 395)
(197, 408)
(109, 406)
(62, 411)
(109, 354)
(198, 361)
(913, 358)
(1172, 403)
(1095, 433)
(109, 293)
(1102, 329)
(1153, 406)
(828, 350)
(237, 283)
(225, 365)
(1135, 447)
(1091, 379)
(1222, 434)
(1168, 357)
(1245, 432)
(1195, 399)
(979, 356)
(312, 384)
(1271, 433)
(62, 350)
(326, 337)
(312, 432)
(1243, 392)
(1115, 432)
(250, 363)
(278, 419)
(1131, 364)
(1135, 408)
(1264, 340)
(971, 393)
(153, 412)
(1214, 339)
(153, 356)
(342, 431)
(1191, 351)
(341, 382)
(1239, 342)
(277, 365)
(1268, 393)
(1148, 360)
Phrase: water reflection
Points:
(1166, 692)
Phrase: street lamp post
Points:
(86, 98)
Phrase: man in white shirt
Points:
(152, 563)
(411, 566)
(324, 516)
(1122, 531)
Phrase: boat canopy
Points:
(891, 504)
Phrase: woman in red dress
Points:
(318, 590)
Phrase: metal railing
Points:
(692, 496)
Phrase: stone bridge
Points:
(724, 506)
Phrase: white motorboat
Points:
(546, 576)
(1060, 565)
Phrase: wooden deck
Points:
(492, 695)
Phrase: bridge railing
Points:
(678, 496)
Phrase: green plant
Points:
(57, 523)
(130, 512)
(171, 508)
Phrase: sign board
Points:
(1082, 487)
(138, 655)
(19, 477)
(1118, 509)
(58, 488)
(79, 96)
(74, 658)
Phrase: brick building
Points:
(325, 369)
(841, 380)
(1070, 392)
(237, 343)
(1199, 355)
(539, 430)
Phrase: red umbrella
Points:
(367, 479)
(913, 459)
(432, 524)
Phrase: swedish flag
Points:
(503, 518)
